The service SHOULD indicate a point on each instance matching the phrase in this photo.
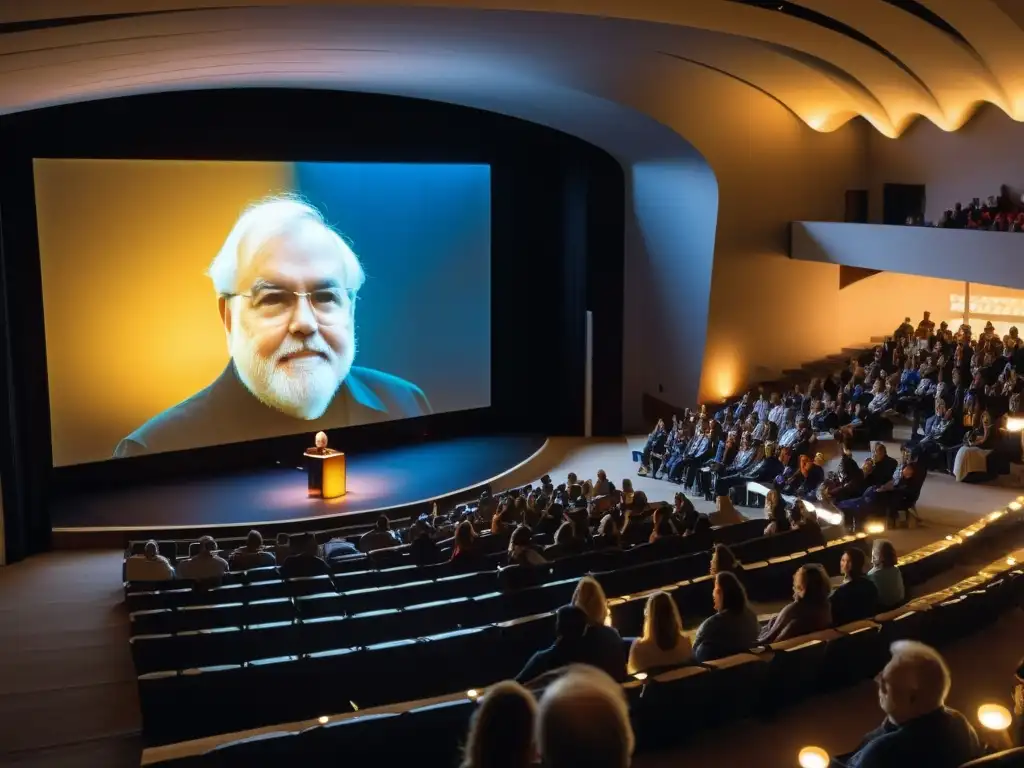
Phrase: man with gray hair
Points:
(919, 729)
(583, 722)
(286, 286)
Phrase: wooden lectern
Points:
(326, 472)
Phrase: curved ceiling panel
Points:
(952, 72)
(53, 51)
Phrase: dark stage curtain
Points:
(24, 408)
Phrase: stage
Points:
(273, 499)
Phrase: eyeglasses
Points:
(329, 305)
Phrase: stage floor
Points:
(376, 482)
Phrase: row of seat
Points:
(666, 707)
(435, 582)
(318, 618)
(496, 635)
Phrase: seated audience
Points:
(608, 535)
(252, 555)
(857, 597)
(465, 553)
(205, 565)
(886, 575)
(282, 547)
(601, 485)
(422, 546)
(663, 643)
(583, 722)
(568, 648)
(972, 457)
(603, 642)
(804, 483)
(663, 526)
(775, 513)
(304, 560)
(809, 611)
(521, 550)
(919, 729)
(149, 566)
(883, 467)
(501, 730)
(733, 628)
(565, 542)
(723, 560)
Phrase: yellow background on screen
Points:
(131, 319)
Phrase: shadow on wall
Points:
(671, 218)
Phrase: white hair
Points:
(928, 672)
(260, 223)
(583, 721)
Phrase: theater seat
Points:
(857, 653)
(1008, 758)
(672, 706)
(262, 749)
(794, 667)
(733, 683)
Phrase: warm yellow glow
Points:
(994, 717)
(969, 533)
(1011, 561)
(813, 757)
(874, 528)
(322, 719)
(996, 515)
(608, 620)
(641, 676)
(473, 693)
(1014, 425)
(1015, 506)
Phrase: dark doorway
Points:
(902, 201)
(856, 206)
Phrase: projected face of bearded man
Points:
(289, 306)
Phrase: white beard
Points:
(302, 389)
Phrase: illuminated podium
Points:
(326, 473)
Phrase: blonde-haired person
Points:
(501, 731)
(663, 643)
(604, 645)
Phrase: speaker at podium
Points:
(325, 469)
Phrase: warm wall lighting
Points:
(473, 693)
(813, 757)
(1014, 425)
(995, 515)
(322, 719)
(994, 717)
(1011, 561)
(1015, 506)
(874, 528)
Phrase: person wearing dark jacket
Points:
(885, 467)
(305, 562)
(857, 597)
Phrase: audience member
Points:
(733, 628)
(606, 648)
(149, 566)
(919, 729)
(304, 560)
(501, 730)
(205, 565)
(521, 550)
(465, 553)
(568, 648)
(379, 537)
(252, 555)
(583, 722)
(663, 643)
(282, 547)
(809, 611)
(723, 560)
(857, 597)
(422, 546)
(885, 575)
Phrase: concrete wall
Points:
(993, 258)
(972, 162)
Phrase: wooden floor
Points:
(68, 695)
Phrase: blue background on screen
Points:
(423, 235)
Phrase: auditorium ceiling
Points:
(827, 61)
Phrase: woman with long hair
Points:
(810, 610)
(663, 643)
(733, 628)
(501, 731)
(603, 640)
